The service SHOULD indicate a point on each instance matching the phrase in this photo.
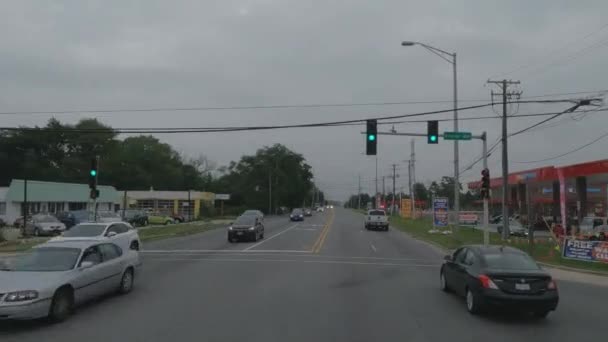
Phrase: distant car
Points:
(515, 228)
(177, 218)
(136, 217)
(320, 209)
(53, 278)
(376, 219)
(43, 224)
(74, 217)
(160, 218)
(497, 277)
(246, 227)
(120, 233)
(297, 215)
(307, 212)
(256, 213)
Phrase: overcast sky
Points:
(89, 55)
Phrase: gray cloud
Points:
(143, 54)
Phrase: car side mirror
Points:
(111, 234)
(86, 264)
(447, 258)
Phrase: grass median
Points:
(543, 250)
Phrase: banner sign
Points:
(468, 218)
(595, 251)
(440, 212)
(406, 208)
(222, 197)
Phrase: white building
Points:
(52, 197)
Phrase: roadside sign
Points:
(457, 135)
(406, 207)
(222, 197)
(440, 212)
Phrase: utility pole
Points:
(413, 178)
(359, 194)
(394, 177)
(376, 195)
(383, 189)
(504, 86)
(95, 200)
(486, 210)
(269, 193)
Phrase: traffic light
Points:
(93, 174)
(94, 193)
(485, 183)
(432, 134)
(371, 137)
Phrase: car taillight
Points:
(552, 285)
(486, 282)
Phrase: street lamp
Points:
(450, 58)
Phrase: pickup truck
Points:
(376, 219)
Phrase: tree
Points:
(420, 192)
(275, 173)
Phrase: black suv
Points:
(136, 217)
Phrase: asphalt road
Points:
(325, 279)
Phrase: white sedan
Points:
(120, 233)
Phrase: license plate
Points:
(239, 233)
(522, 287)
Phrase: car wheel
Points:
(255, 237)
(62, 305)
(541, 314)
(473, 305)
(231, 240)
(145, 223)
(443, 284)
(262, 235)
(126, 283)
(386, 229)
(167, 223)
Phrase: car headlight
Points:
(230, 228)
(21, 296)
(290, 215)
(251, 228)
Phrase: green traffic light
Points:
(371, 137)
(93, 173)
(433, 138)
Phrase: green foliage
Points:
(59, 152)
(276, 169)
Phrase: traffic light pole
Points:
(486, 210)
(95, 199)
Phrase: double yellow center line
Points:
(316, 248)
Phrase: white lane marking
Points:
(308, 229)
(270, 238)
(371, 245)
(212, 251)
(298, 261)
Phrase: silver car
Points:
(43, 224)
(120, 233)
(54, 277)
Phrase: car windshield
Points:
(107, 214)
(247, 220)
(376, 213)
(297, 211)
(45, 259)
(81, 215)
(45, 219)
(85, 230)
(251, 212)
(510, 261)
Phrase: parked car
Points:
(136, 217)
(54, 277)
(376, 219)
(43, 224)
(256, 213)
(2, 223)
(108, 216)
(120, 233)
(74, 217)
(587, 228)
(160, 218)
(296, 215)
(177, 218)
(307, 212)
(498, 277)
(246, 227)
(515, 228)
(320, 209)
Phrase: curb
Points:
(572, 269)
(563, 268)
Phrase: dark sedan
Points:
(296, 215)
(500, 278)
(246, 227)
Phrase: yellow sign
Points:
(406, 208)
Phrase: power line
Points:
(552, 52)
(566, 153)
